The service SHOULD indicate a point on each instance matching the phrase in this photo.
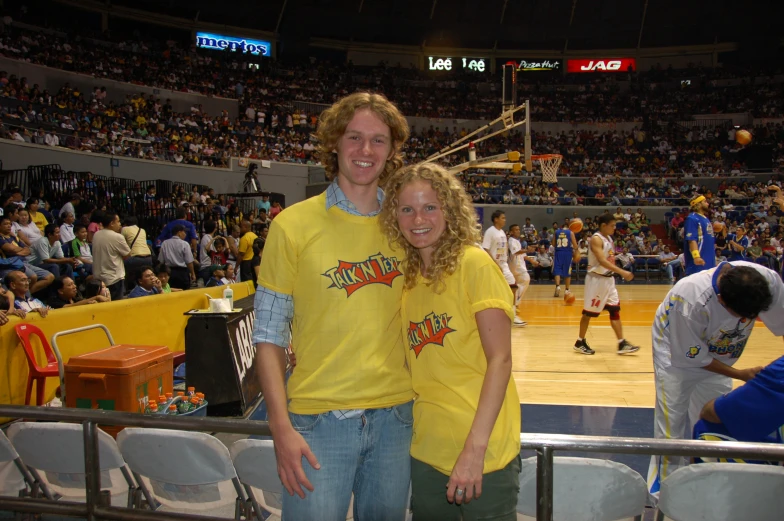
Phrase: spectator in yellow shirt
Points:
(457, 317)
(246, 250)
(36, 217)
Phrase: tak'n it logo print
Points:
(351, 276)
(431, 330)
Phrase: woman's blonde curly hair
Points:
(462, 226)
(333, 122)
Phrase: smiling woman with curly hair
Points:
(457, 314)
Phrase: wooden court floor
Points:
(548, 371)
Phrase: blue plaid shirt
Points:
(275, 311)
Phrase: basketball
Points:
(718, 227)
(569, 298)
(743, 137)
(576, 225)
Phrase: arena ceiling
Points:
(503, 24)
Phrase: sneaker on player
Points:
(557, 292)
(519, 322)
(625, 348)
(581, 346)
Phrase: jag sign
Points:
(232, 43)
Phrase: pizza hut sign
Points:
(536, 65)
(602, 65)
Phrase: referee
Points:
(177, 255)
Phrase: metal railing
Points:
(545, 446)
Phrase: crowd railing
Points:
(545, 446)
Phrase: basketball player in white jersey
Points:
(600, 292)
(517, 266)
(699, 332)
(494, 243)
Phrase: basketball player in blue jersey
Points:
(700, 245)
(565, 252)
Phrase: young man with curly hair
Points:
(342, 423)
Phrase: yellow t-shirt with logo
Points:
(346, 287)
(448, 364)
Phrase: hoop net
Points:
(549, 164)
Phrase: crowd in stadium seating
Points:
(146, 127)
(170, 66)
(48, 255)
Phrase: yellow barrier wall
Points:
(155, 320)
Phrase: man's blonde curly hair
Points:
(462, 226)
(333, 122)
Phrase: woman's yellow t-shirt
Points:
(448, 364)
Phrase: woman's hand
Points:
(465, 482)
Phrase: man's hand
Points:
(627, 275)
(749, 373)
(699, 261)
(3, 318)
(42, 311)
(290, 447)
(99, 298)
(18, 312)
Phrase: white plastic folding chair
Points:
(257, 469)
(56, 450)
(586, 489)
(723, 492)
(15, 479)
(184, 471)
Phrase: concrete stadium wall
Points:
(52, 79)
(287, 179)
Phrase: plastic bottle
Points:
(228, 293)
(191, 392)
(195, 403)
(172, 409)
(169, 396)
(200, 396)
(184, 406)
(152, 407)
(162, 399)
(180, 393)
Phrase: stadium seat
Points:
(37, 373)
(586, 489)
(185, 471)
(15, 479)
(56, 450)
(257, 469)
(723, 492)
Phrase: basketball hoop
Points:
(549, 164)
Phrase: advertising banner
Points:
(601, 65)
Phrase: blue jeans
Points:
(368, 456)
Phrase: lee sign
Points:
(601, 65)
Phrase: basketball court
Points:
(548, 371)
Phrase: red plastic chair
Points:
(37, 374)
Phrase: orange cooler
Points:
(118, 378)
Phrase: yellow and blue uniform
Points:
(562, 262)
(699, 228)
